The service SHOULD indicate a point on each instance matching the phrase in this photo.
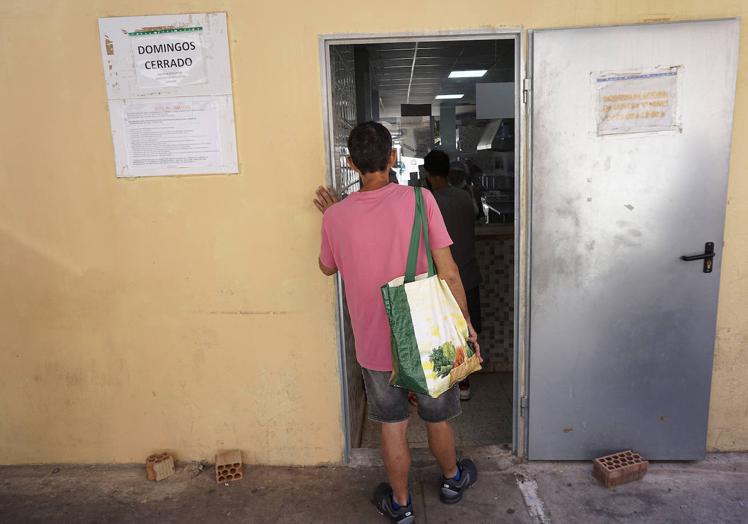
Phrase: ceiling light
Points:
(472, 73)
(448, 97)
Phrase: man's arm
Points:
(447, 270)
(326, 197)
(327, 270)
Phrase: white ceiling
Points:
(419, 71)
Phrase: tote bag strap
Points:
(419, 224)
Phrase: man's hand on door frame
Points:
(325, 198)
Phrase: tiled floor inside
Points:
(486, 418)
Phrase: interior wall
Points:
(495, 252)
(188, 313)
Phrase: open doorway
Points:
(458, 95)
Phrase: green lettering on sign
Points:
(162, 31)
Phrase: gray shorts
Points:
(390, 404)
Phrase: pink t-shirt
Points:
(366, 236)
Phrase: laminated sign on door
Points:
(637, 102)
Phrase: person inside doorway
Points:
(475, 181)
(366, 237)
(457, 209)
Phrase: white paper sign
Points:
(637, 102)
(168, 57)
(171, 105)
(178, 133)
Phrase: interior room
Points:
(457, 96)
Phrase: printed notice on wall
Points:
(639, 102)
(171, 105)
(168, 57)
(178, 132)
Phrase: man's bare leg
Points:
(442, 445)
(396, 455)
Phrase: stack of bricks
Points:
(229, 466)
(619, 468)
(159, 466)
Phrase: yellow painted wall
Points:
(188, 313)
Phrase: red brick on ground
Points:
(619, 468)
(159, 466)
(229, 466)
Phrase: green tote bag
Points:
(430, 350)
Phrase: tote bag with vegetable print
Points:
(430, 350)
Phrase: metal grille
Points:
(344, 115)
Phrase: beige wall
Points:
(188, 313)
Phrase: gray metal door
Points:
(630, 145)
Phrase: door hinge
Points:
(523, 406)
(526, 88)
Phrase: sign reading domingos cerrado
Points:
(168, 81)
(168, 57)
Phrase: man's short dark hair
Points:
(370, 145)
(437, 163)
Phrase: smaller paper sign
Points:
(168, 57)
(637, 102)
(168, 133)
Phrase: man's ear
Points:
(393, 159)
(350, 163)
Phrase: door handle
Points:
(707, 256)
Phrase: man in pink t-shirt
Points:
(366, 237)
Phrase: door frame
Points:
(521, 208)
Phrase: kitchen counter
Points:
(494, 231)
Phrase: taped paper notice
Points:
(173, 133)
(168, 57)
(168, 83)
(637, 102)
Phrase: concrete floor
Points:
(486, 418)
(714, 490)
